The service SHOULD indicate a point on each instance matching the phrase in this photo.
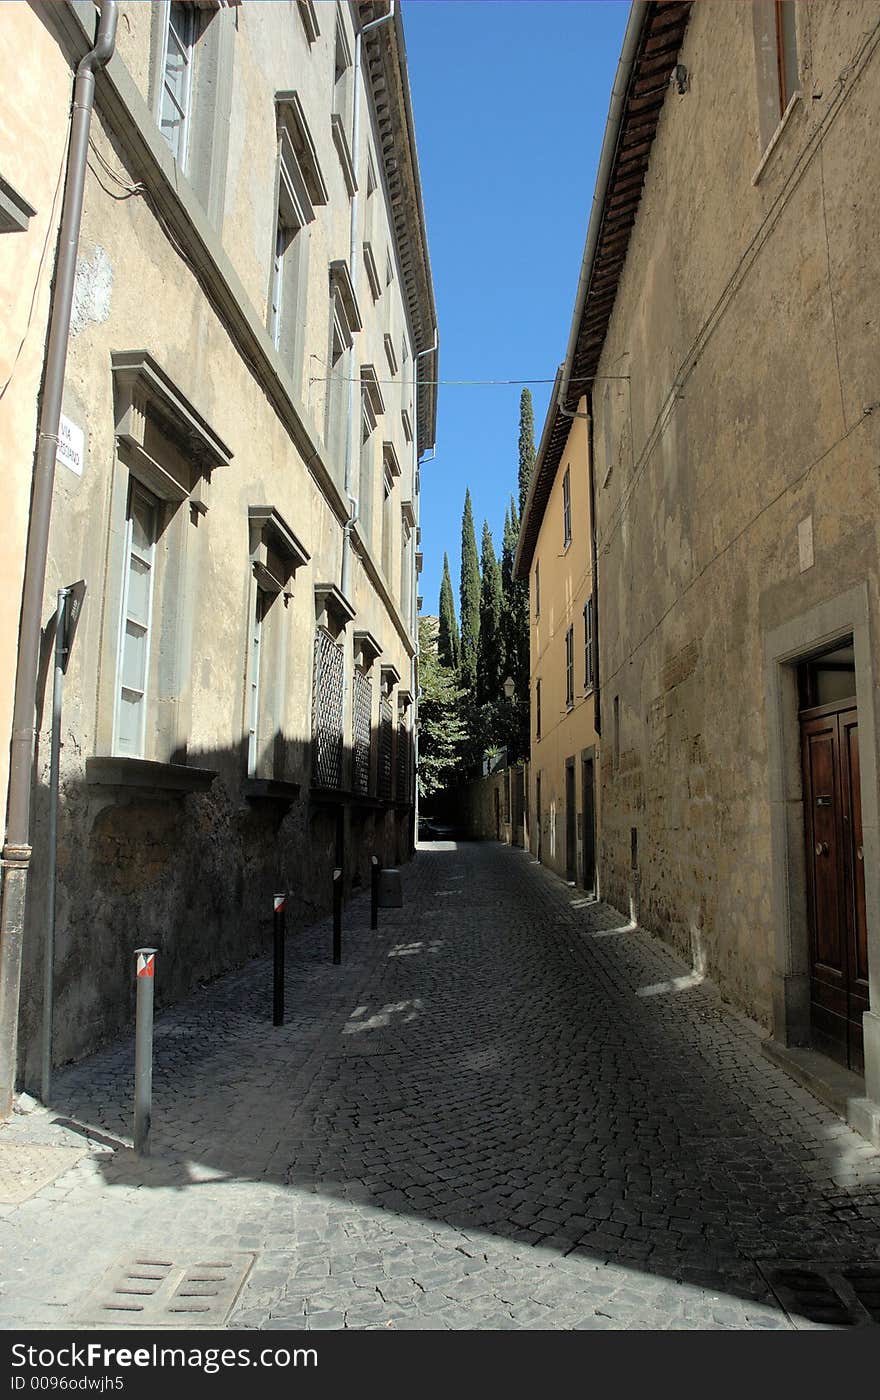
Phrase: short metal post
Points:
(145, 968)
(278, 982)
(337, 916)
(375, 867)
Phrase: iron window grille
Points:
(327, 707)
(386, 732)
(402, 761)
(363, 712)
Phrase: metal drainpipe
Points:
(353, 501)
(17, 850)
(413, 664)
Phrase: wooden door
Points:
(570, 822)
(835, 882)
(538, 815)
(589, 826)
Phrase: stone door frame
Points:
(846, 615)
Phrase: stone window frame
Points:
(299, 189)
(372, 408)
(390, 354)
(774, 109)
(212, 30)
(309, 16)
(165, 445)
(15, 212)
(342, 105)
(345, 322)
(407, 535)
(275, 554)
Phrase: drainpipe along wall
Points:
(353, 502)
(16, 854)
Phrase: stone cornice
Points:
(385, 73)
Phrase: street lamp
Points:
(509, 687)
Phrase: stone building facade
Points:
(253, 308)
(726, 323)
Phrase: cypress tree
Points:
(526, 446)
(442, 733)
(449, 643)
(490, 650)
(469, 611)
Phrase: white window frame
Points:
(187, 43)
(566, 508)
(149, 559)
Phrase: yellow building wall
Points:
(567, 732)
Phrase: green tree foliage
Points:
(469, 611)
(442, 730)
(448, 642)
(490, 648)
(526, 446)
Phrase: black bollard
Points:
(337, 916)
(278, 978)
(375, 867)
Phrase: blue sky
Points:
(510, 99)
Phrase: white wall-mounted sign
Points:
(71, 446)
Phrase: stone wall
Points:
(736, 474)
(489, 809)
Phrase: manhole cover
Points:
(155, 1289)
(26, 1167)
(834, 1294)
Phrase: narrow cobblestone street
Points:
(501, 1111)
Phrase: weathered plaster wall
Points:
(194, 873)
(33, 137)
(746, 318)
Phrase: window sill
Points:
(270, 790)
(148, 776)
(777, 135)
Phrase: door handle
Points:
(859, 854)
(821, 848)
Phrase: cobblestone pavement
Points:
(501, 1111)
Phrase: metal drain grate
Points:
(153, 1289)
(831, 1294)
